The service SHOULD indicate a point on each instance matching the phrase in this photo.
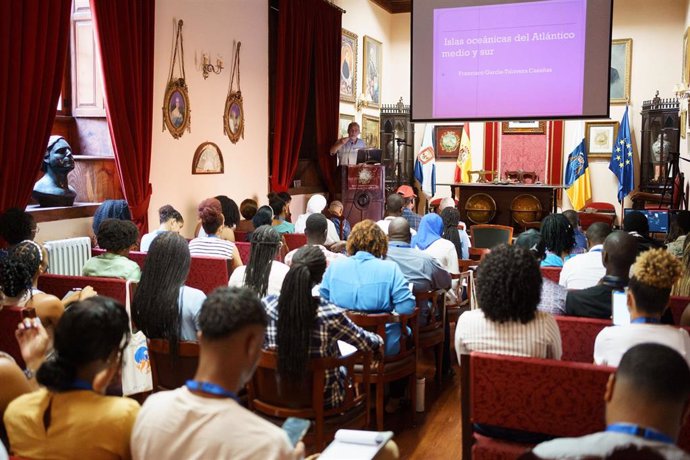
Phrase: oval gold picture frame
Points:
(233, 117)
(208, 159)
(176, 110)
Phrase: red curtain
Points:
(125, 30)
(34, 35)
(327, 87)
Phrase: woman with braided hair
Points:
(301, 326)
(262, 273)
(559, 237)
(653, 275)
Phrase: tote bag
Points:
(136, 366)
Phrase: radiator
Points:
(67, 257)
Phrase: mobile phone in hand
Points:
(28, 312)
(296, 428)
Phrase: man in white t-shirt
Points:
(585, 270)
(204, 419)
(394, 208)
(646, 403)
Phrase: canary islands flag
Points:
(621, 164)
(464, 162)
(425, 164)
(577, 177)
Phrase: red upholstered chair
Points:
(552, 273)
(578, 335)
(588, 218)
(245, 250)
(295, 240)
(208, 273)
(240, 237)
(677, 305)
(601, 206)
(60, 285)
(168, 373)
(487, 236)
(135, 256)
(10, 317)
(552, 397)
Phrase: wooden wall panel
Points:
(95, 179)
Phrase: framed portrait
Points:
(176, 111)
(447, 141)
(600, 137)
(619, 78)
(523, 127)
(371, 72)
(348, 66)
(371, 132)
(345, 120)
(233, 118)
(208, 159)
(685, 77)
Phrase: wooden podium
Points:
(362, 192)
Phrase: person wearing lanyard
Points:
(203, 418)
(653, 274)
(646, 400)
(585, 270)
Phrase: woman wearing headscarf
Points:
(429, 239)
(316, 204)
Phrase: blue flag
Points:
(622, 159)
(577, 177)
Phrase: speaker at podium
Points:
(361, 189)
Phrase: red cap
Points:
(406, 191)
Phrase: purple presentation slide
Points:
(509, 60)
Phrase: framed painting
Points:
(371, 132)
(447, 141)
(619, 78)
(348, 66)
(176, 111)
(208, 159)
(371, 72)
(523, 127)
(600, 137)
(344, 122)
(233, 118)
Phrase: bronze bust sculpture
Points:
(52, 189)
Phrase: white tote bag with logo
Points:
(136, 367)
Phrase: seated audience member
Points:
(552, 294)
(637, 225)
(620, 249)
(204, 418)
(316, 230)
(580, 239)
(287, 198)
(71, 417)
(212, 245)
(429, 240)
(262, 273)
(646, 403)
(117, 237)
(507, 322)
(675, 240)
(301, 326)
(585, 270)
(248, 209)
(231, 216)
(334, 213)
(316, 204)
(419, 268)
(163, 307)
(280, 210)
(394, 207)
(451, 219)
(449, 202)
(171, 221)
(363, 282)
(682, 287)
(16, 226)
(110, 209)
(410, 200)
(649, 289)
(559, 238)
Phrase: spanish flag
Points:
(577, 177)
(464, 161)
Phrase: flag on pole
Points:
(425, 164)
(621, 164)
(464, 162)
(577, 177)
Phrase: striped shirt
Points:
(540, 338)
(331, 324)
(212, 247)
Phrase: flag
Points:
(425, 164)
(621, 164)
(464, 162)
(577, 177)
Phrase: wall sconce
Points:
(207, 67)
(363, 101)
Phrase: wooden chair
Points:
(295, 240)
(457, 308)
(677, 306)
(488, 236)
(477, 254)
(578, 336)
(432, 334)
(208, 273)
(466, 264)
(552, 273)
(482, 175)
(276, 399)
(170, 372)
(393, 367)
(245, 250)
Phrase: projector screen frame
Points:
(420, 119)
